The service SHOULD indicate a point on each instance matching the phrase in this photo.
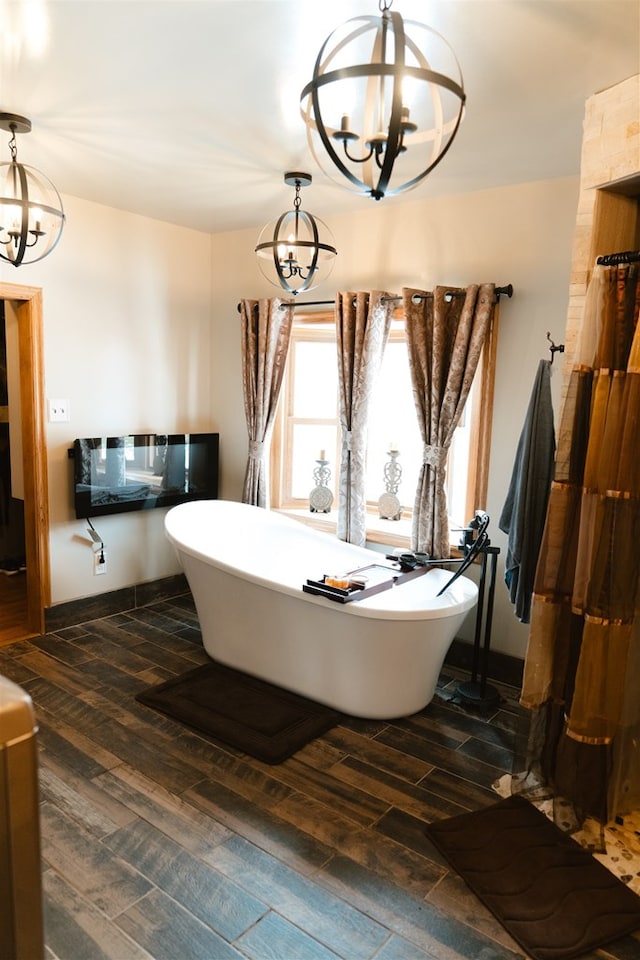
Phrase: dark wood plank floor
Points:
(158, 843)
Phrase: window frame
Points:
(479, 450)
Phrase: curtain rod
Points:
(506, 291)
(612, 259)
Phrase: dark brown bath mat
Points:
(554, 898)
(265, 721)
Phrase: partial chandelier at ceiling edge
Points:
(384, 104)
(31, 214)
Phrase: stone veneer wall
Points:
(608, 215)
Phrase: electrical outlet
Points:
(59, 411)
(100, 562)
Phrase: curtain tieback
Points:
(256, 449)
(433, 456)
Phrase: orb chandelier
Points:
(290, 253)
(31, 214)
(383, 106)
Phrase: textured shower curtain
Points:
(266, 331)
(582, 668)
(445, 336)
(363, 321)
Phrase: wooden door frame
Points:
(28, 305)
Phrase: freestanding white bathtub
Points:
(378, 657)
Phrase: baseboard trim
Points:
(501, 666)
(74, 612)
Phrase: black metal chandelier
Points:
(291, 253)
(31, 214)
(384, 107)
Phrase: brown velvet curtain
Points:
(266, 331)
(362, 328)
(582, 668)
(445, 336)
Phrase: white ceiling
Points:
(188, 110)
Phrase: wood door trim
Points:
(28, 304)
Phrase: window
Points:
(308, 429)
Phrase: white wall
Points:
(127, 340)
(141, 333)
(520, 235)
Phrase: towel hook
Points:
(555, 347)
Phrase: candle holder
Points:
(321, 498)
(389, 506)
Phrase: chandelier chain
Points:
(384, 5)
(13, 146)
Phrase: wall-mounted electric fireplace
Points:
(143, 471)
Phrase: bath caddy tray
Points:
(378, 578)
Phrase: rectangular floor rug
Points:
(265, 721)
(554, 898)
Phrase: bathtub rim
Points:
(461, 598)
